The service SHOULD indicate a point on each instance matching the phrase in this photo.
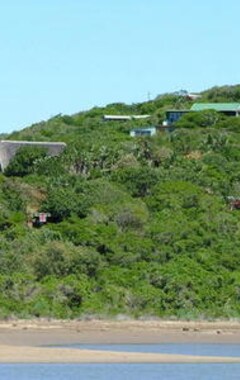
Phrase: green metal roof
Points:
(234, 107)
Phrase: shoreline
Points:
(33, 341)
(36, 332)
(24, 354)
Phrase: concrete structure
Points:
(9, 148)
(125, 117)
(151, 131)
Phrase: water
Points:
(120, 371)
(210, 371)
(169, 348)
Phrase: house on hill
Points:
(228, 109)
(124, 117)
(173, 115)
(144, 132)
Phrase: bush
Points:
(24, 160)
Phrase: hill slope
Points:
(138, 226)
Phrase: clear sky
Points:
(64, 56)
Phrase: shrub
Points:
(24, 160)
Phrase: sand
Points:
(13, 354)
(23, 341)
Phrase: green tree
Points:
(24, 161)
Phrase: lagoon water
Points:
(134, 371)
(169, 348)
(120, 371)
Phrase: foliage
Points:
(24, 160)
(200, 119)
(138, 226)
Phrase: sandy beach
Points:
(13, 354)
(24, 340)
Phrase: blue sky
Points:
(64, 56)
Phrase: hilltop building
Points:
(145, 132)
(173, 115)
(124, 117)
(187, 95)
(228, 109)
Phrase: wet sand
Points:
(21, 340)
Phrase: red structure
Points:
(40, 218)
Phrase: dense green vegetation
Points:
(138, 226)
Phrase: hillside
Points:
(138, 226)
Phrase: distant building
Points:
(187, 95)
(229, 109)
(191, 96)
(39, 219)
(145, 132)
(124, 117)
(172, 116)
